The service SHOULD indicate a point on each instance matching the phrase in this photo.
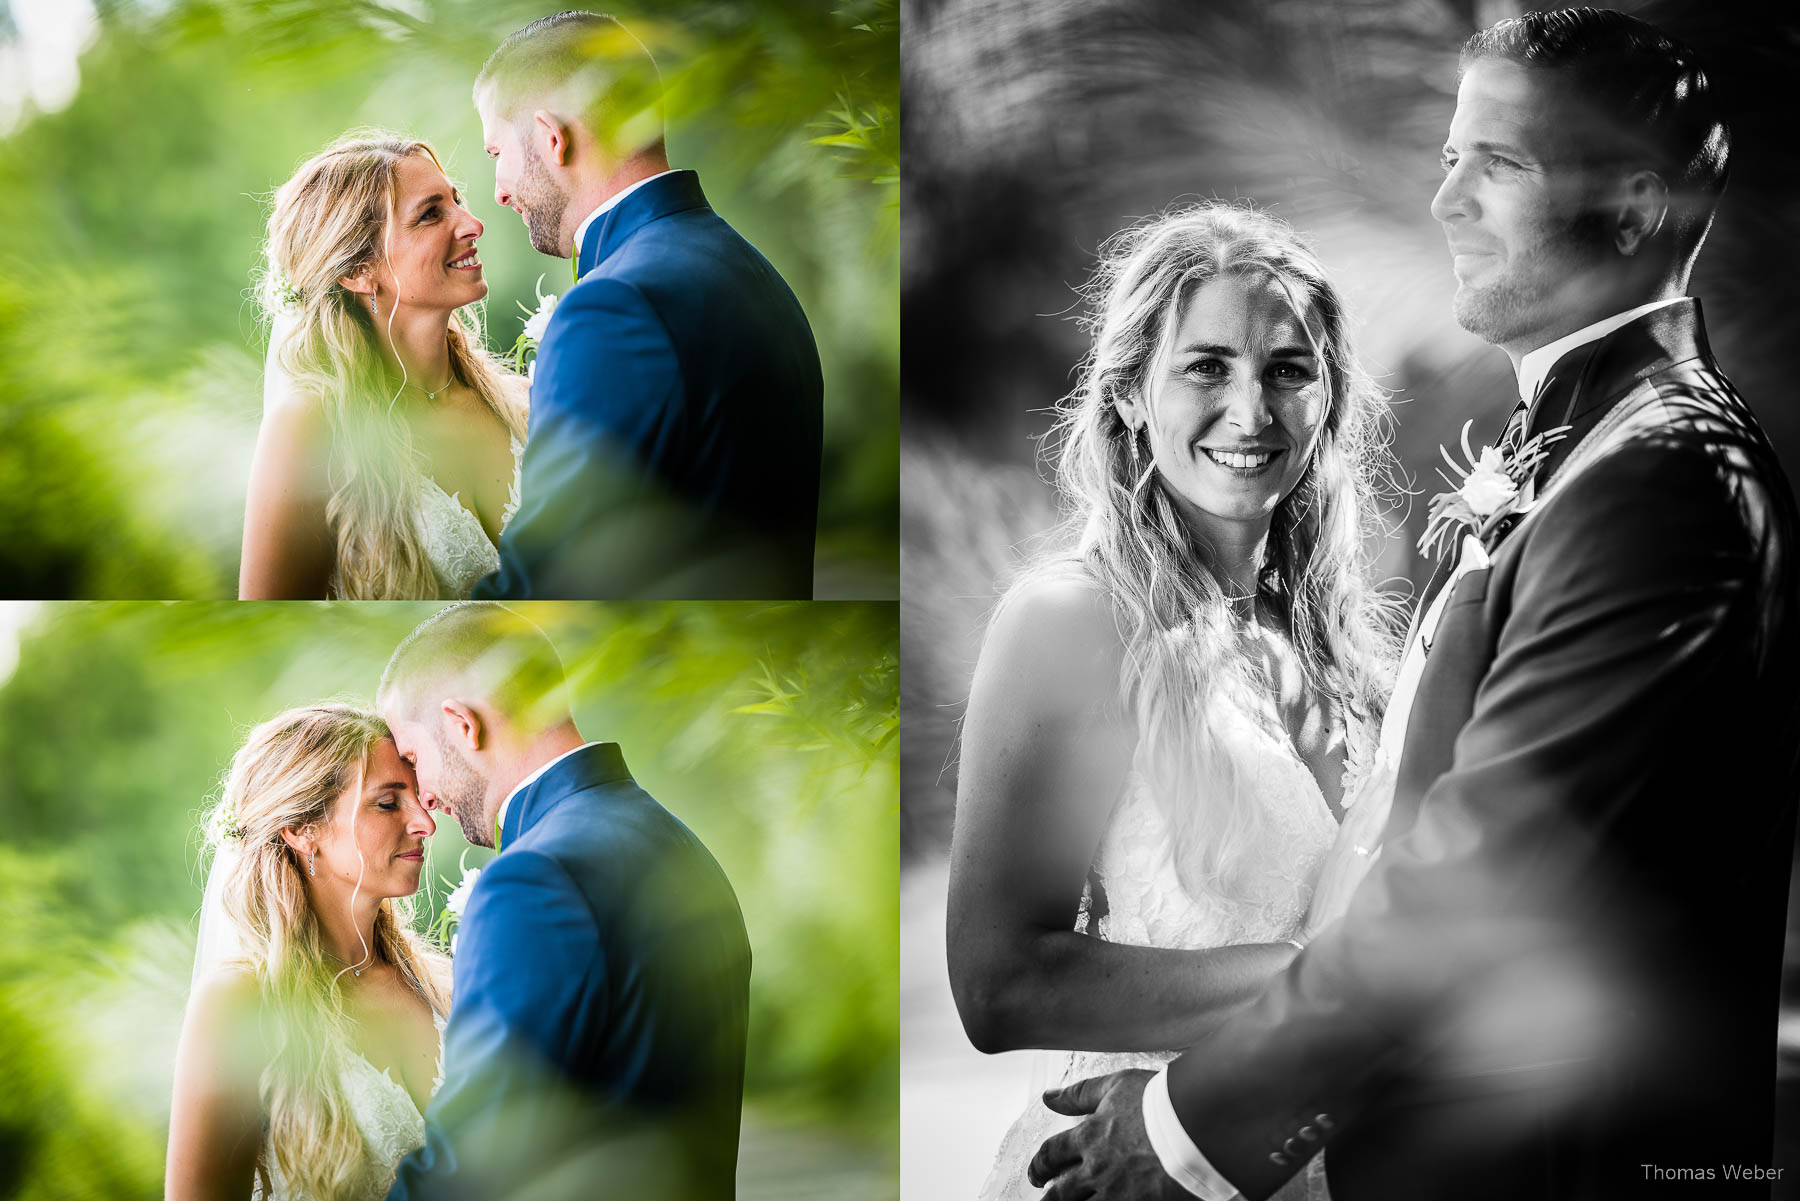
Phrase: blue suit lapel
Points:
(603, 763)
(676, 192)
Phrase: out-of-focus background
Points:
(772, 731)
(1035, 129)
(140, 140)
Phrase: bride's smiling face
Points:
(431, 260)
(1234, 405)
(378, 832)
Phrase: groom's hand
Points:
(1109, 1154)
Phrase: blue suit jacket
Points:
(596, 1040)
(676, 411)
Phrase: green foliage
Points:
(130, 353)
(769, 729)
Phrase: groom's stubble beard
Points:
(463, 790)
(543, 205)
(1507, 309)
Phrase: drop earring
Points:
(312, 866)
(375, 301)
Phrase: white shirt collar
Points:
(528, 781)
(607, 205)
(1536, 365)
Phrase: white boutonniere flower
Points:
(1487, 487)
(450, 916)
(540, 320)
(459, 896)
(1487, 491)
(536, 322)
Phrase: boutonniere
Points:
(1488, 490)
(450, 916)
(536, 322)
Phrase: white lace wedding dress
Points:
(390, 1122)
(455, 543)
(1147, 906)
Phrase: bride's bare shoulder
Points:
(1054, 639)
(223, 1034)
(224, 994)
(1056, 601)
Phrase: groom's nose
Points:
(1452, 202)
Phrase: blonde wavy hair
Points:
(1122, 531)
(333, 219)
(288, 775)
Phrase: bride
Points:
(312, 1038)
(1172, 709)
(387, 462)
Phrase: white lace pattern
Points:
(390, 1122)
(1146, 905)
(455, 543)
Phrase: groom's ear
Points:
(551, 136)
(464, 726)
(1643, 206)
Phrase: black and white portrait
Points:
(1350, 600)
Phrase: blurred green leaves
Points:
(768, 729)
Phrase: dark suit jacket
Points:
(676, 411)
(1562, 975)
(596, 1039)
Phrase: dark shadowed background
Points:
(1036, 128)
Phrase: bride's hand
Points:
(1350, 859)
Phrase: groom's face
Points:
(523, 182)
(463, 791)
(446, 778)
(1518, 211)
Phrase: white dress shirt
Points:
(527, 782)
(1181, 1159)
(1536, 365)
(606, 206)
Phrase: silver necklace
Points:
(429, 393)
(354, 970)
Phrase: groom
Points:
(1560, 980)
(596, 1041)
(676, 400)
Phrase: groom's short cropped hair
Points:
(1637, 97)
(581, 62)
(476, 651)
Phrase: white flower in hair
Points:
(226, 827)
(283, 290)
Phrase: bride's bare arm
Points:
(1041, 767)
(288, 548)
(215, 1117)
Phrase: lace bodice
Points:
(390, 1122)
(1146, 905)
(455, 542)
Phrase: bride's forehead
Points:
(418, 175)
